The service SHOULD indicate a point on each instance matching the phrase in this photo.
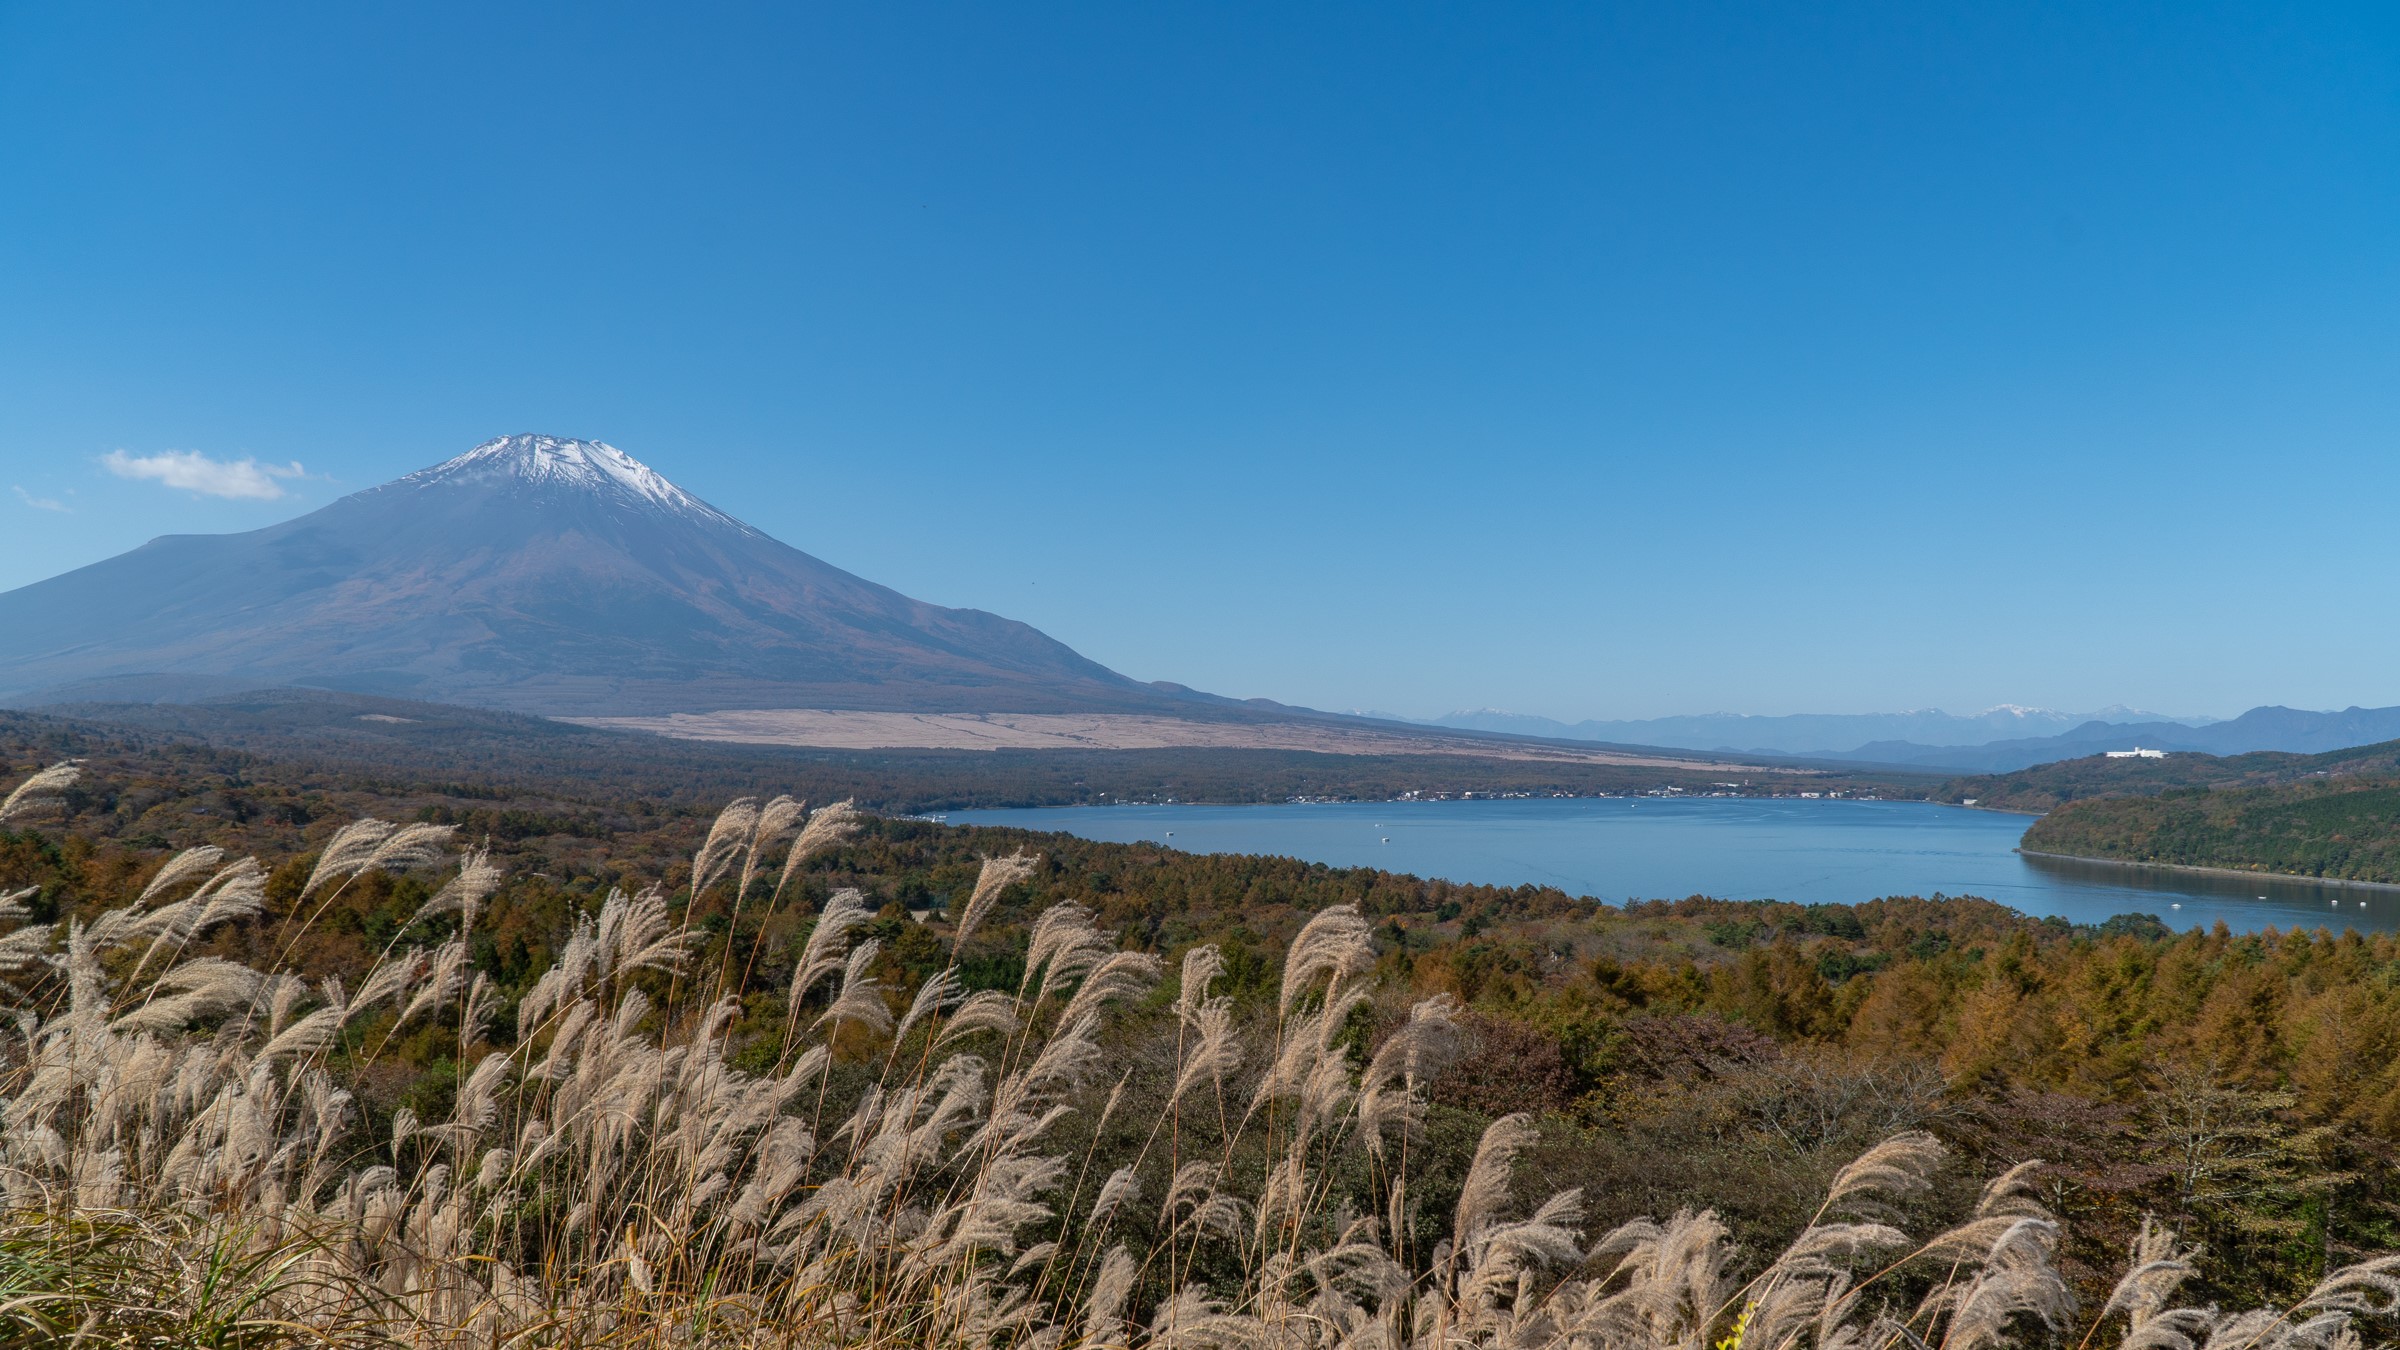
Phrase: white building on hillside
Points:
(2137, 752)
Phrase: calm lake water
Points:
(1617, 849)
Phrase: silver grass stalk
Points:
(2172, 1329)
(444, 975)
(25, 947)
(1194, 1204)
(1003, 1202)
(1201, 967)
(1334, 942)
(728, 835)
(2017, 1279)
(307, 1038)
(1193, 1318)
(998, 875)
(42, 790)
(1423, 1046)
(1782, 1312)
(1282, 1198)
(1901, 1165)
(478, 1098)
(409, 847)
(188, 992)
(365, 846)
(823, 953)
(1486, 1190)
(183, 867)
(1068, 1059)
(1327, 1092)
(634, 933)
(988, 1010)
(235, 892)
(1213, 1054)
(1967, 1243)
(1843, 1240)
(2368, 1289)
(478, 877)
(1308, 1042)
(2012, 1193)
(389, 979)
(1502, 1254)
(493, 1171)
(1062, 946)
(348, 850)
(775, 820)
(826, 829)
(1674, 1280)
(1040, 1254)
(861, 999)
(2156, 1271)
(475, 1015)
(2259, 1329)
(1123, 1187)
(1120, 975)
(939, 992)
(1104, 1306)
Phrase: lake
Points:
(1616, 849)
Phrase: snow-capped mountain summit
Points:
(553, 463)
(538, 573)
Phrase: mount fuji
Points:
(537, 574)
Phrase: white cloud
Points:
(196, 472)
(40, 503)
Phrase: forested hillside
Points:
(2046, 786)
(2344, 828)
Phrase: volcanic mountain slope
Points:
(539, 574)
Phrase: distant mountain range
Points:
(1936, 740)
(1809, 733)
(2273, 728)
(534, 573)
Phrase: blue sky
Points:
(1583, 360)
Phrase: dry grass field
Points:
(834, 729)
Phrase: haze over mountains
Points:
(2270, 728)
(1936, 740)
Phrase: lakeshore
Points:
(2194, 870)
(1613, 850)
